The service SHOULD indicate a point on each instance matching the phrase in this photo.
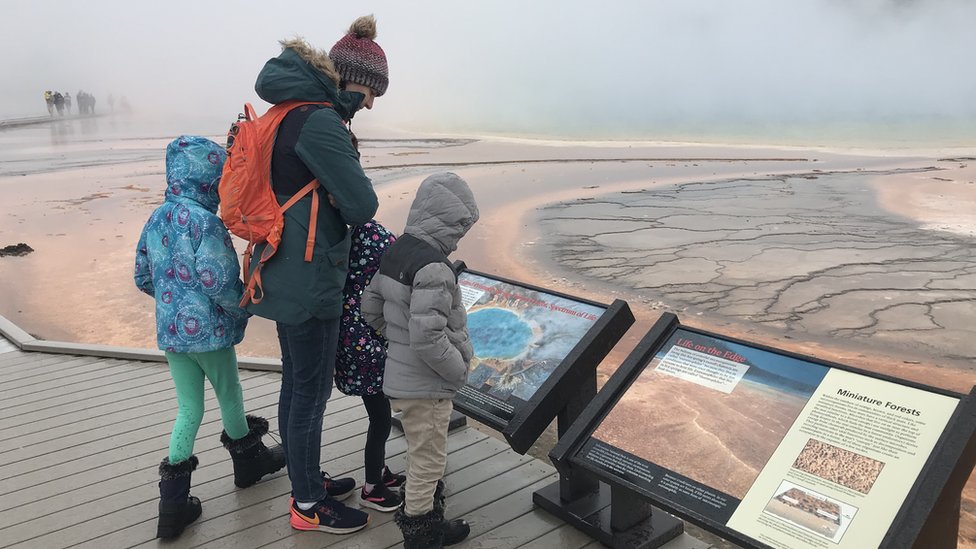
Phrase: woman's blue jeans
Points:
(308, 352)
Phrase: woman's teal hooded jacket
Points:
(294, 290)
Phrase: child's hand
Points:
(332, 200)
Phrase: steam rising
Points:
(654, 69)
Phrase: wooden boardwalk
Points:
(81, 438)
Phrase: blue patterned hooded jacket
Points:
(186, 259)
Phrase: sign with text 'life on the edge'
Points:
(787, 451)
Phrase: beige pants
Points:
(425, 425)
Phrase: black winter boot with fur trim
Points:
(420, 532)
(430, 531)
(252, 459)
(177, 508)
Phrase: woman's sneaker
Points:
(381, 499)
(338, 488)
(328, 515)
(393, 480)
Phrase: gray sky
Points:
(568, 67)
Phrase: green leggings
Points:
(188, 371)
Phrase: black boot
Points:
(252, 459)
(456, 530)
(420, 532)
(177, 508)
(431, 530)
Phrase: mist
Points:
(657, 69)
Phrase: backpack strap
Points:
(313, 217)
(254, 290)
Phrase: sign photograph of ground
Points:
(850, 469)
(810, 510)
(711, 410)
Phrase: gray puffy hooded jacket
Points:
(414, 299)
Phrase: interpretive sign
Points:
(762, 446)
(526, 341)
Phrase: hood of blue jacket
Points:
(193, 168)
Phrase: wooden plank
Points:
(161, 383)
(100, 468)
(117, 391)
(230, 516)
(462, 473)
(99, 369)
(509, 521)
(52, 367)
(90, 387)
(102, 412)
(11, 357)
(97, 453)
(490, 483)
(564, 537)
(342, 457)
(72, 434)
(106, 514)
(107, 477)
(516, 524)
(12, 471)
(14, 365)
(27, 412)
(227, 515)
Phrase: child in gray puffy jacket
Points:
(415, 302)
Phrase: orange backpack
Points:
(247, 202)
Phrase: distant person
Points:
(89, 103)
(67, 102)
(49, 100)
(111, 103)
(185, 259)
(415, 302)
(59, 103)
(360, 362)
(305, 298)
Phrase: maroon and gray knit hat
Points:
(359, 59)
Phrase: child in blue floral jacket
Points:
(360, 361)
(186, 261)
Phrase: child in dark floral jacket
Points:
(360, 361)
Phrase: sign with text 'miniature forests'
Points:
(763, 446)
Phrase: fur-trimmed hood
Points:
(304, 73)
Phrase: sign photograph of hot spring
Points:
(520, 335)
(710, 410)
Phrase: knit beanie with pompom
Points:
(359, 59)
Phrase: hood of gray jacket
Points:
(442, 212)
